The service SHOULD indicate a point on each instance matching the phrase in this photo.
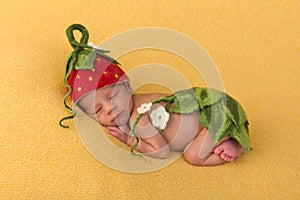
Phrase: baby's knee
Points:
(192, 157)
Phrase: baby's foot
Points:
(229, 150)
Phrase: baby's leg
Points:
(200, 150)
(204, 151)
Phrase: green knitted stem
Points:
(84, 39)
(133, 148)
(71, 61)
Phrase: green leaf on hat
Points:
(85, 60)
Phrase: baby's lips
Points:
(117, 116)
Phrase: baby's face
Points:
(110, 106)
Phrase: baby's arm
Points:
(151, 142)
(155, 146)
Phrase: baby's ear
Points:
(128, 87)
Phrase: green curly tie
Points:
(72, 62)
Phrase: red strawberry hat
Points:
(88, 69)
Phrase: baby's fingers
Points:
(117, 133)
(113, 133)
(112, 128)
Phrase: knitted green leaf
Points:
(185, 102)
(85, 60)
(207, 96)
(226, 117)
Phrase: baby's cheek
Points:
(98, 119)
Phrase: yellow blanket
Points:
(254, 44)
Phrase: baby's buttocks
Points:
(181, 130)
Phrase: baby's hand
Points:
(118, 133)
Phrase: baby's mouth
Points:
(120, 119)
(117, 116)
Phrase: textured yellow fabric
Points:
(255, 44)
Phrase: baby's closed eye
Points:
(98, 110)
(115, 94)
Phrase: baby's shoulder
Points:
(141, 118)
(144, 98)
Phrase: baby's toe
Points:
(223, 156)
(218, 150)
(230, 158)
(226, 157)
